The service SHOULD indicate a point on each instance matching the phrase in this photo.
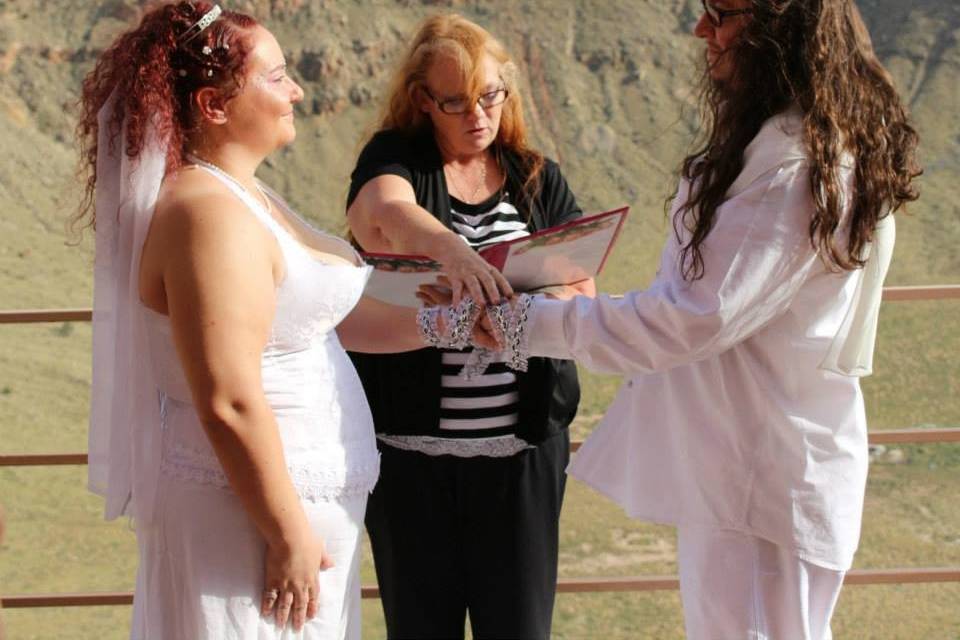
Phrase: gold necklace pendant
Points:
(482, 181)
(459, 187)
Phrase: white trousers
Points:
(736, 586)
(201, 570)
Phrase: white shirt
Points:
(731, 416)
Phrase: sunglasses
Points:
(716, 16)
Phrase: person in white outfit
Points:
(226, 417)
(741, 419)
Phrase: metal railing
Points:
(891, 436)
(565, 585)
(890, 294)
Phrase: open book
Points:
(559, 255)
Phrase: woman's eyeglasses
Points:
(716, 16)
(461, 105)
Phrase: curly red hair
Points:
(155, 76)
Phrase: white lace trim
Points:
(497, 447)
(313, 482)
(508, 321)
(522, 346)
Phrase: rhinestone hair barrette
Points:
(198, 27)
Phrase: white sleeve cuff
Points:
(547, 337)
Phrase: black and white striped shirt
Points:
(486, 405)
(488, 222)
(478, 417)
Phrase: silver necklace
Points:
(212, 167)
(480, 183)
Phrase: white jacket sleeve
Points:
(756, 257)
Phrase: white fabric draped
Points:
(124, 437)
(851, 352)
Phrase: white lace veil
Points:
(124, 438)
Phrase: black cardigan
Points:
(404, 389)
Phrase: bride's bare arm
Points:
(377, 327)
(218, 270)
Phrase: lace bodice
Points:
(308, 379)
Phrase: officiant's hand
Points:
(469, 274)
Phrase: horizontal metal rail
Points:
(42, 459)
(39, 600)
(914, 436)
(909, 294)
(857, 577)
(890, 294)
(899, 436)
(34, 316)
(891, 436)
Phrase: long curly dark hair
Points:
(816, 54)
(155, 73)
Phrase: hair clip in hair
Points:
(198, 27)
(221, 42)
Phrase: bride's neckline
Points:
(200, 162)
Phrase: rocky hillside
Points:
(607, 86)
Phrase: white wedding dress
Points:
(202, 559)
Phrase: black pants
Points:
(480, 534)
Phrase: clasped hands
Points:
(442, 293)
(468, 274)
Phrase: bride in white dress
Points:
(226, 417)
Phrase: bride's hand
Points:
(291, 585)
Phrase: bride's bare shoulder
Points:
(193, 200)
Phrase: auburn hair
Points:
(816, 54)
(154, 73)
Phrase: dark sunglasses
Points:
(716, 16)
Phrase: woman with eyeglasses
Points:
(465, 514)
